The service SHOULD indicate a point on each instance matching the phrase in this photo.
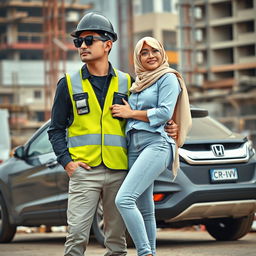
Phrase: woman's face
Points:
(150, 57)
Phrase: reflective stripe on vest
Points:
(115, 140)
(82, 140)
(95, 139)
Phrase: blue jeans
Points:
(149, 155)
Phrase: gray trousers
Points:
(85, 189)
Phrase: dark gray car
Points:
(216, 185)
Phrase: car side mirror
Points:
(198, 112)
(19, 152)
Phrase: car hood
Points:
(233, 138)
(208, 130)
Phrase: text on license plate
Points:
(223, 175)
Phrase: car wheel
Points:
(98, 225)
(230, 229)
(7, 230)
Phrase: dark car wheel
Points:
(7, 231)
(98, 225)
(230, 229)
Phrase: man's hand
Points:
(72, 166)
(123, 111)
(172, 129)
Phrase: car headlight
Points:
(251, 150)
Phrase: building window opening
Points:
(37, 94)
(245, 4)
(147, 6)
(167, 6)
(170, 40)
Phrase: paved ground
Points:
(170, 243)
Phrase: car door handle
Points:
(51, 164)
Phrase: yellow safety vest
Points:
(97, 137)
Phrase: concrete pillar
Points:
(12, 30)
(157, 6)
(208, 41)
(235, 37)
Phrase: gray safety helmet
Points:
(95, 22)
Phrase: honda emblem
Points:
(218, 150)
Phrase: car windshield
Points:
(208, 128)
(40, 145)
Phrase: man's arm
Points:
(172, 129)
(60, 116)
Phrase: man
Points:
(94, 155)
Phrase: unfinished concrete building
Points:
(218, 58)
(35, 50)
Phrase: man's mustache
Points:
(84, 51)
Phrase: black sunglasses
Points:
(88, 40)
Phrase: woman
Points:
(150, 150)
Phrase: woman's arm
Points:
(168, 93)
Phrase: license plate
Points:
(223, 175)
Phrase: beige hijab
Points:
(145, 78)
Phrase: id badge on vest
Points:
(82, 104)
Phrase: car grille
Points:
(219, 153)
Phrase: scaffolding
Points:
(34, 50)
(55, 50)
